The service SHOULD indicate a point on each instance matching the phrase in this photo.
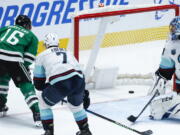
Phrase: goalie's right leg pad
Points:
(164, 107)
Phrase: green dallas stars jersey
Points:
(18, 44)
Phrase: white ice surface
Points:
(116, 104)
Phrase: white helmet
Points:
(51, 40)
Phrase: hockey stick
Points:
(134, 118)
(147, 132)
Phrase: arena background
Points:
(55, 16)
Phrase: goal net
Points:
(120, 44)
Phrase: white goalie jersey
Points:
(169, 66)
(171, 56)
(170, 61)
(56, 64)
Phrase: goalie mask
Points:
(51, 40)
(174, 28)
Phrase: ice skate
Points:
(37, 119)
(3, 111)
(48, 132)
(84, 132)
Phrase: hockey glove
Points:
(40, 86)
(86, 99)
(159, 83)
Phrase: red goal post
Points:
(108, 11)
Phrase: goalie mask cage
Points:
(125, 28)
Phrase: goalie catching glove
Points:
(159, 84)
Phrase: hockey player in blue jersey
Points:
(167, 105)
(65, 79)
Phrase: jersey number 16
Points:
(12, 38)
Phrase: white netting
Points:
(133, 42)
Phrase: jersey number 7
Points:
(64, 56)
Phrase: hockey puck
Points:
(131, 91)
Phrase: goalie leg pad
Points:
(166, 106)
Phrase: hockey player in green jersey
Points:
(18, 48)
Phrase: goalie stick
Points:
(147, 132)
(133, 118)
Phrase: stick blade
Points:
(148, 132)
(132, 118)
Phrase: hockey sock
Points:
(4, 87)
(81, 119)
(3, 95)
(80, 115)
(47, 119)
(30, 96)
(35, 107)
(3, 100)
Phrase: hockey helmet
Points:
(175, 25)
(51, 40)
(24, 21)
